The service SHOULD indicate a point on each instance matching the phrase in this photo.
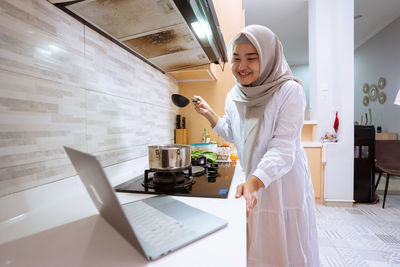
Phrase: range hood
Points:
(168, 34)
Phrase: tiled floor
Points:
(365, 235)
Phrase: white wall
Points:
(302, 72)
(379, 57)
(331, 31)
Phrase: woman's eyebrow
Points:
(247, 54)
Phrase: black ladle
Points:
(180, 100)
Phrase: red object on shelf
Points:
(336, 123)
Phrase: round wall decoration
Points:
(366, 88)
(382, 97)
(381, 83)
(365, 100)
(373, 92)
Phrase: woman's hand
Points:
(202, 107)
(249, 191)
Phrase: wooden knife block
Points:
(181, 136)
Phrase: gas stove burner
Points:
(184, 185)
(196, 171)
(169, 180)
(210, 168)
(168, 177)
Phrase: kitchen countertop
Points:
(57, 225)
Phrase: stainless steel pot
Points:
(169, 157)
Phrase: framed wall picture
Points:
(382, 97)
(366, 88)
(381, 83)
(365, 100)
(373, 92)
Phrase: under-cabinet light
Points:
(199, 29)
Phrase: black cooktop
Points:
(203, 184)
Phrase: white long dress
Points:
(281, 228)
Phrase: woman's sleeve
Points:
(224, 126)
(281, 150)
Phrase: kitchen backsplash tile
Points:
(115, 156)
(63, 84)
(37, 117)
(36, 44)
(115, 122)
(24, 176)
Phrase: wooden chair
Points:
(387, 160)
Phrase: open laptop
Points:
(155, 226)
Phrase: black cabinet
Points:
(364, 163)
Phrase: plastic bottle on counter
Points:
(206, 136)
(214, 147)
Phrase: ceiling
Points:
(289, 20)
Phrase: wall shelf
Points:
(309, 131)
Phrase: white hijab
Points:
(274, 72)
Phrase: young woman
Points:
(264, 118)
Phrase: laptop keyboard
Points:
(154, 227)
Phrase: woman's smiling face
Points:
(245, 64)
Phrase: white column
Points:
(331, 44)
